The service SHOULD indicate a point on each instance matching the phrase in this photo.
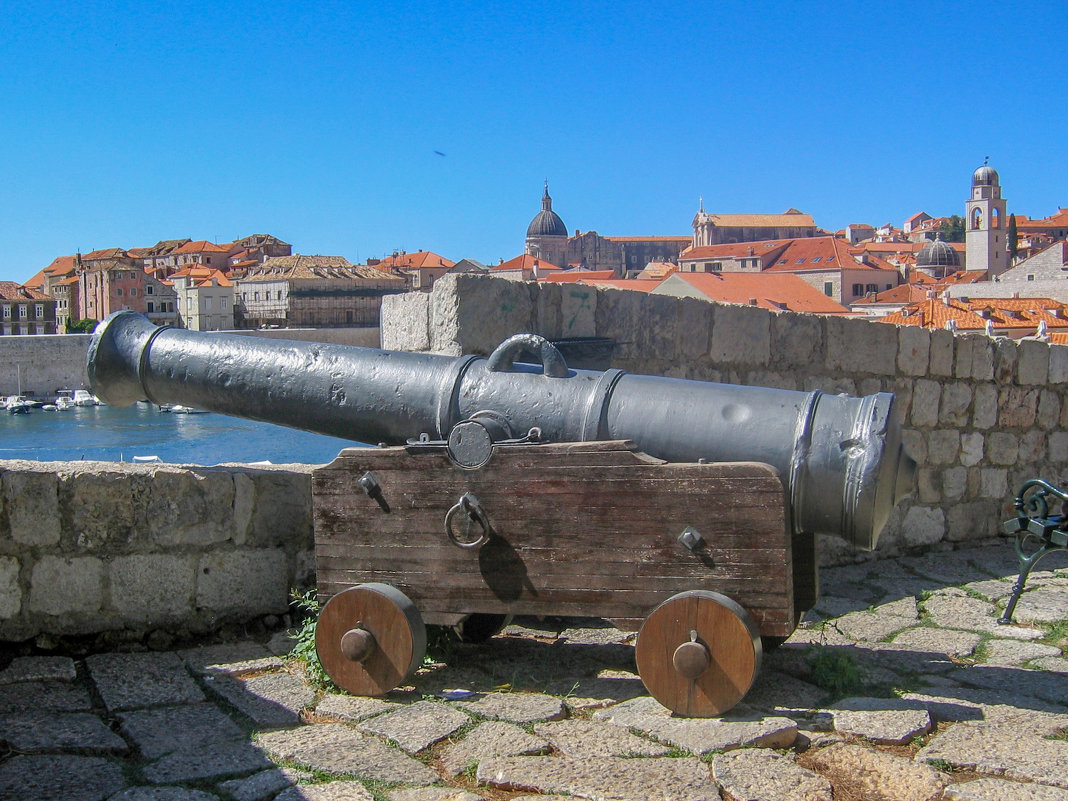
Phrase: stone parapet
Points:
(980, 414)
(91, 547)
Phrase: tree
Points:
(953, 229)
(85, 326)
(1014, 245)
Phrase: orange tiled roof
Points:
(61, 265)
(649, 238)
(106, 253)
(574, 276)
(818, 254)
(9, 290)
(202, 246)
(972, 315)
(903, 294)
(791, 219)
(526, 262)
(769, 291)
(419, 259)
(641, 285)
(37, 282)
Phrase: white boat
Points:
(83, 397)
(16, 404)
(177, 408)
(63, 403)
(147, 459)
(50, 407)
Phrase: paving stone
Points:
(353, 708)
(866, 626)
(958, 704)
(1007, 653)
(281, 643)
(1034, 683)
(162, 794)
(913, 662)
(991, 589)
(159, 731)
(597, 636)
(887, 721)
(31, 777)
(330, 791)
(835, 606)
(946, 567)
(824, 634)
(896, 587)
(607, 778)
(880, 776)
(44, 696)
(1055, 664)
(585, 738)
(43, 732)
(432, 794)
(700, 735)
(270, 701)
(517, 707)
(756, 774)
(594, 692)
(972, 614)
(1047, 604)
(134, 681)
(1015, 748)
(902, 607)
(490, 739)
(417, 726)
(990, 789)
(209, 761)
(38, 668)
(231, 659)
(937, 641)
(339, 748)
(265, 784)
(781, 694)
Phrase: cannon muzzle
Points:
(840, 458)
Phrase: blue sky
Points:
(127, 123)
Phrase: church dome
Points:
(547, 222)
(937, 254)
(985, 176)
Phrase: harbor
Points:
(142, 433)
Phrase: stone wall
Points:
(981, 415)
(43, 364)
(148, 551)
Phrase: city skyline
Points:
(357, 131)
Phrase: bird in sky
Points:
(439, 152)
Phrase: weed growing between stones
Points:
(306, 608)
(1056, 634)
(835, 670)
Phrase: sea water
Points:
(111, 434)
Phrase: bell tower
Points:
(986, 224)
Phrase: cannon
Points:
(515, 484)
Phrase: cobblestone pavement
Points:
(898, 686)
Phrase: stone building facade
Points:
(25, 311)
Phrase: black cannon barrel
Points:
(840, 458)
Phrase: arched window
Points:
(996, 218)
(977, 219)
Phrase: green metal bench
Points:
(1034, 521)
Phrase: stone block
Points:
(191, 507)
(578, 310)
(1058, 447)
(913, 350)
(741, 335)
(923, 525)
(975, 358)
(1017, 407)
(833, 386)
(974, 520)
(797, 340)
(657, 337)
(618, 316)
(985, 407)
(1033, 363)
(1049, 409)
(1006, 357)
(244, 503)
(929, 485)
(1002, 448)
(925, 399)
(405, 321)
(994, 482)
(548, 310)
(66, 585)
(971, 448)
(695, 328)
(860, 346)
(954, 483)
(1032, 447)
(102, 507)
(282, 514)
(870, 386)
(955, 404)
(10, 591)
(903, 391)
(1058, 364)
(915, 443)
(490, 310)
(243, 582)
(32, 501)
(152, 588)
(943, 446)
(942, 353)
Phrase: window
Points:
(133, 293)
(279, 294)
(799, 261)
(118, 293)
(148, 289)
(816, 259)
(858, 289)
(188, 304)
(1030, 278)
(23, 311)
(150, 307)
(871, 288)
(717, 266)
(38, 311)
(828, 289)
(207, 304)
(255, 295)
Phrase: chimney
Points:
(752, 301)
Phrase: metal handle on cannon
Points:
(469, 505)
(504, 355)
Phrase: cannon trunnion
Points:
(685, 509)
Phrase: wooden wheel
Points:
(698, 653)
(370, 638)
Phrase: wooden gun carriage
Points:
(685, 508)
